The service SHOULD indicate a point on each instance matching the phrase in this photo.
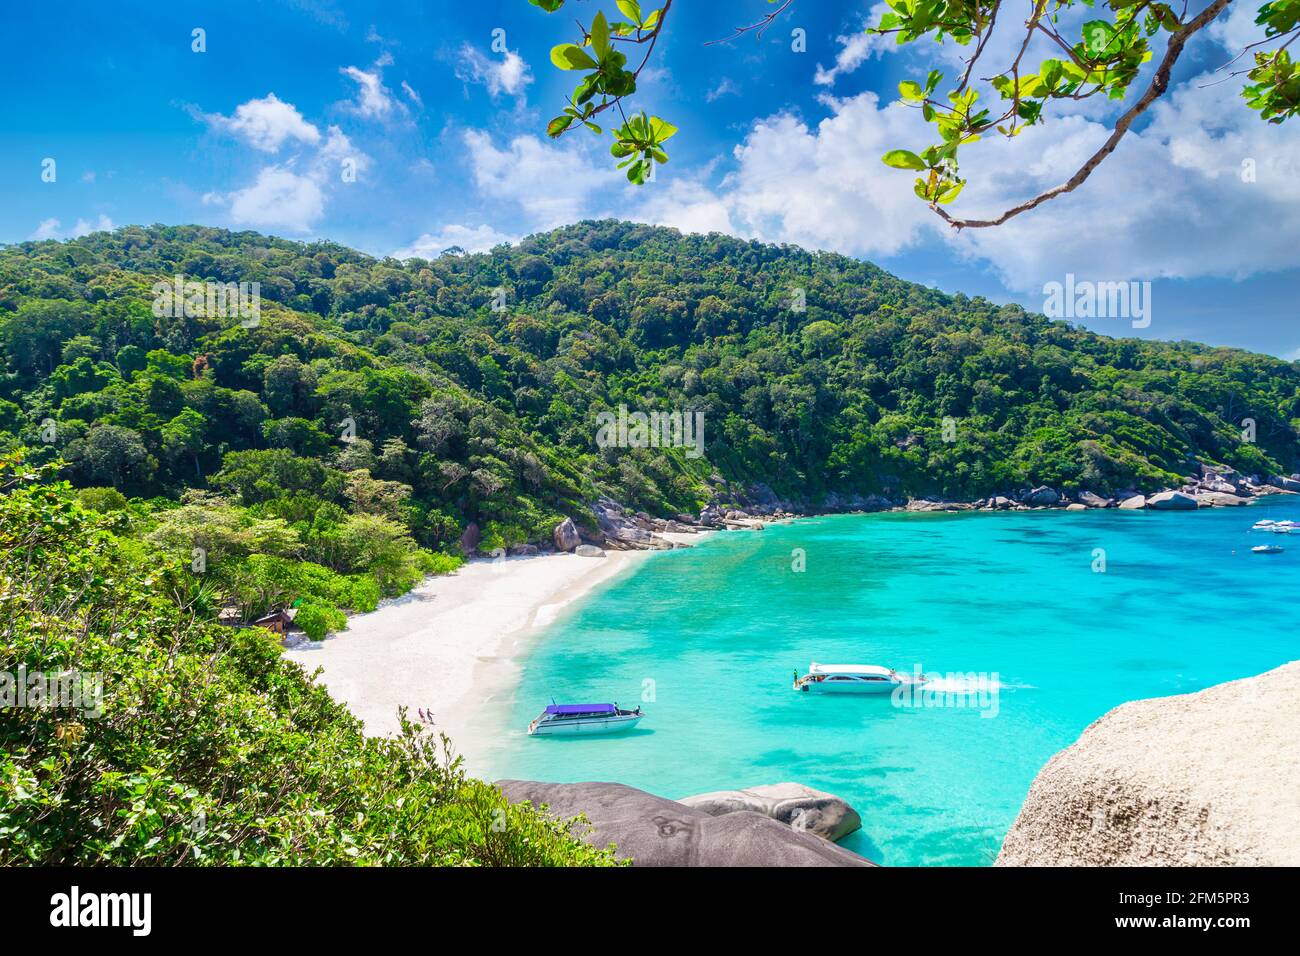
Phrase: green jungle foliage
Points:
(462, 412)
(205, 746)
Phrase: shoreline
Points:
(452, 645)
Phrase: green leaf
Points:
(558, 125)
(550, 6)
(570, 56)
(1097, 35)
(1050, 73)
(662, 130)
(910, 91)
(600, 35)
(951, 193)
(903, 159)
(631, 9)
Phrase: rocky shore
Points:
(1210, 487)
(752, 507)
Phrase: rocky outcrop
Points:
(1204, 779)
(623, 532)
(588, 551)
(1220, 499)
(1172, 501)
(470, 538)
(566, 535)
(653, 831)
(1133, 503)
(1041, 495)
(1285, 483)
(793, 804)
(933, 504)
(1076, 507)
(712, 516)
(1094, 500)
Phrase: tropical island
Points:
(171, 479)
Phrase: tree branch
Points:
(1158, 87)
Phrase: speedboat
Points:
(852, 679)
(1281, 529)
(584, 719)
(1267, 549)
(1265, 524)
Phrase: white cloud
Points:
(414, 97)
(552, 184)
(1237, 30)
(475, 239)
(685, 204)
(856, 48)
(725, 88)
(85, 227)
(293, 195)
(280, 198)
(53, 229)
(373, 99)
(266, 124)
(823, 187)
(508, 74)
(48, 229)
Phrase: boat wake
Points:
(968, 684)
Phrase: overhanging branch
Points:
(1159, 84)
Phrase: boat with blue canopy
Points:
(573, 719)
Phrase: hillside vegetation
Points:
(179, 741)
(156, 469)
(338, 449)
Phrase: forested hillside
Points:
(333, 451)
(463, 411)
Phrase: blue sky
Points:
(446, 135)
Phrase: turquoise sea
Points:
(709, 638)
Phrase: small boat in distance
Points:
(1267, 549)
(585, 719)
(852, 679)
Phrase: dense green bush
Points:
(207, 747)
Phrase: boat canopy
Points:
(571, 709)
(872, 670)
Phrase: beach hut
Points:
(279, 621)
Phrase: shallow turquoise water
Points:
(710, 636)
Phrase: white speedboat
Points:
(1267, 549)
(574, 719)
(852, 679)
(1265, 524)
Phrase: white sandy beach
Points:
(450, 646)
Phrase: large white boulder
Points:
(1204, 779)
